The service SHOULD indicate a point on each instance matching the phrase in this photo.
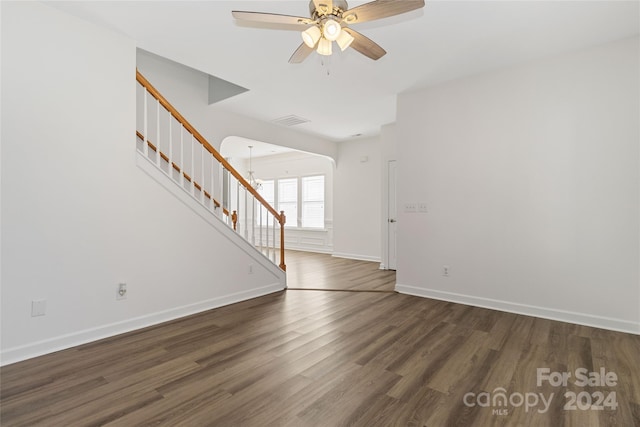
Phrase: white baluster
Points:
(260, 230)
(253, 222)
(213, 203)
(158, 157)
(144, 126)
(273, 257)
(192, 174)
(246, 216)
(230, 197)
(202, 173)
(268, 246)
(221, 181)
(170, 153)
(182, 157)
(238, 201)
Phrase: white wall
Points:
(356, 216)
(188, 89)
(78, 215)
(531, 178)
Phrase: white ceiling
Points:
(236, 147)
(353, 94)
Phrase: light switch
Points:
(410, 207)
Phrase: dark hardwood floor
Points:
(307, 270)
(318, 358)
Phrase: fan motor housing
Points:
(337, 4)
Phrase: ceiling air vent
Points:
(289, 121)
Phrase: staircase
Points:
(170, 143)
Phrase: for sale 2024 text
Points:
(595, 400)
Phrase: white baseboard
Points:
(319, 250)
(356, 257)
(528, 310)
(17, 354)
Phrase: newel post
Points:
(283, 220)
(234, 219)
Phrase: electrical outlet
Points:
(38, 307)
(446, 270)
(121, 291)
(250, 269)
(422, 207)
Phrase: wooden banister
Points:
(154, 92)
(233, 216)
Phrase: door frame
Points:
(390, 216)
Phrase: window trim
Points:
(299, 202)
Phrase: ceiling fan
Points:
(329, 22)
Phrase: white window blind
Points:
(313, 201)
(288, 200)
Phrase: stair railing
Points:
(169, 141)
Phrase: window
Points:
(301, 199)
(313, 201)
(288, 200)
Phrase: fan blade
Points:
(271, 18)
(300, 54)
(380, 9)
(323, 7)
(365, 45)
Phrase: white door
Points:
(392, 217)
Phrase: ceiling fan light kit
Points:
(331, 29)
(329, 21)
(325, 47)
(344, 40)
(311, 35)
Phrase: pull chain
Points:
(326, 62)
